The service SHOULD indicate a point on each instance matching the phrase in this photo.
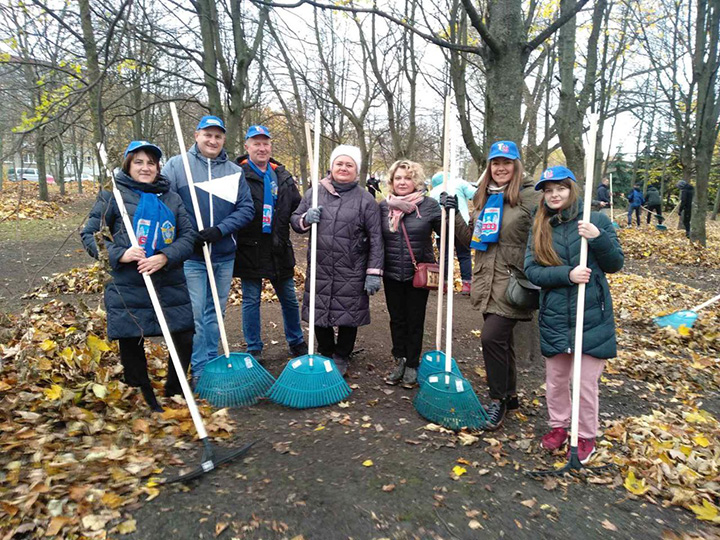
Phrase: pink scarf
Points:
(399, 206)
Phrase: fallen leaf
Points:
(367, 463)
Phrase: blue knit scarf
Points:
(487, 226)
(270, 193)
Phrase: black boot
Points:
(150, 399)
(397, 374)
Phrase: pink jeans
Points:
(558, 374)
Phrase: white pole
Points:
(451, 178)
(314, 175)
(706, 304)
(580, 313)
(443, 224)
(200, 226)
(187, 393)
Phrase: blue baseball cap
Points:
(554, 174)
(254, 131)
(506, 149)
(210, 121)
(134, 146)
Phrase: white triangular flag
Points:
(225, 187)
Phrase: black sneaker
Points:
(513, 403)
(496, 414)
(301, 349)
(397, 374)
(410, 378)
(149, 395)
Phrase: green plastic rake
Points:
(230, 380)
(311, 380)
(444, 397)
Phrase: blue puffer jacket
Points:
(558, 298)
(129, 310)
(232, 207)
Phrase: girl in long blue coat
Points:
(552, 262)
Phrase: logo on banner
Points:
(168, 232)
(491, 221)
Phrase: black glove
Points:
(210, 235)
(449, 202)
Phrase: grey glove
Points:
(372, 284)
(313, 215)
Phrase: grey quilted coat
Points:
(350, 246)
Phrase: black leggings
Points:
(134, 362)
(327, 345)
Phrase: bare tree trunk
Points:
(41, 165)
(93, 68)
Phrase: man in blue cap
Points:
(225, 206)
(264, 249)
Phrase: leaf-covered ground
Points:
(80, 456)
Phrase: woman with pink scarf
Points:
(406, 211)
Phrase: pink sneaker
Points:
(555, 439)
(586, 448)
(465, 288)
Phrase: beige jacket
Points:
(491, 270)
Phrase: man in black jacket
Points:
(686, 197)
(264, 249)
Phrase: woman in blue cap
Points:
(166, 239)
(498, 232)
(551, 262)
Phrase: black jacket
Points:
(603, 194)
(686, 196)
(127, 302)
(261, 255)
(652, 197)
(398, 264)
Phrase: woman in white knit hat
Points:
(349, 254)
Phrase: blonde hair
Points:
(415, 170)
(543, 249)
(512, 192)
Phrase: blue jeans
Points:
(207, 333)
(285, 290)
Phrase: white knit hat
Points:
(353, 152)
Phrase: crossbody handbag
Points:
(520, 292)
(427, 275)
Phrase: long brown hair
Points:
(542, 230)
(512, 192)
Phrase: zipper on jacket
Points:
(568, 292)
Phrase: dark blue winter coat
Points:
(232, 207)
(127, 302)
(558, 298)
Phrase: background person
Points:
(406, 210)
(166, 239)
(349, 254)
(226, 206)
(464, 191)
(551, 262)
(264, 249)
(686, 198)
(498, 230)
(603, 196)
(653, 203)
(635, 200)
